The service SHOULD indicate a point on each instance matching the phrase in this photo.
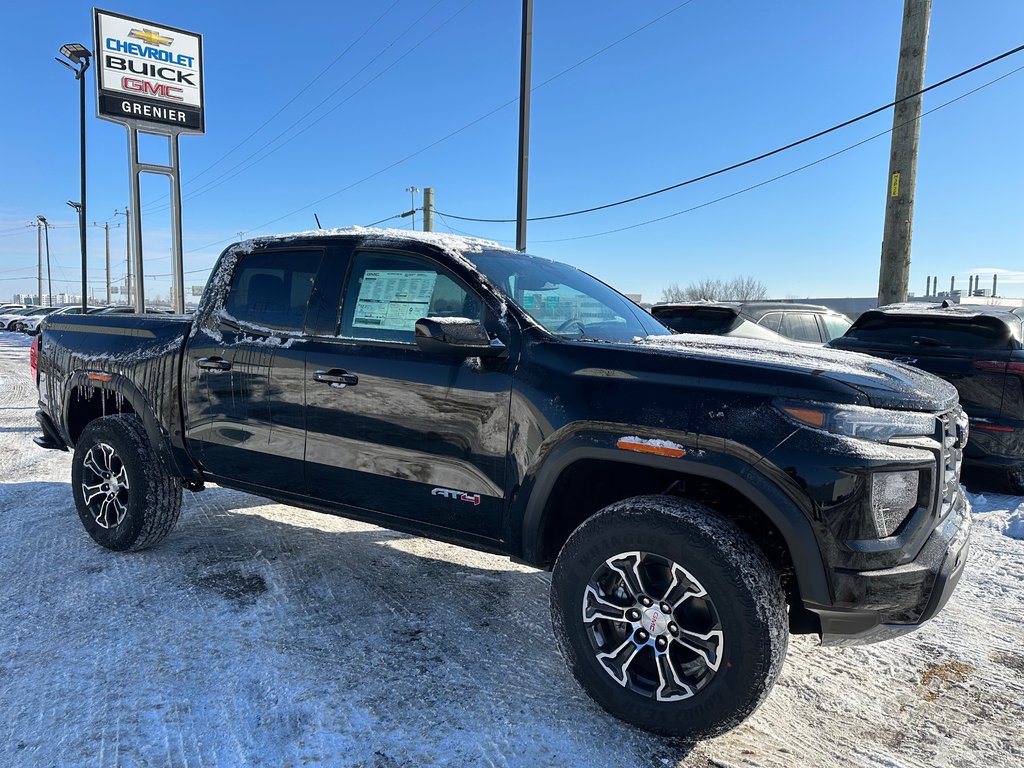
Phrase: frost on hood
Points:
(851, 368)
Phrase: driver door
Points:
(397, 430)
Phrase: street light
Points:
(79, 56)
(412, 194)
(49, 287)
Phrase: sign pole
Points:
(177, 255)
(135, 219)
(149, 78)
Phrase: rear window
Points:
(271, 289)
(713, 320)
(932, 331)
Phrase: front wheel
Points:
(670, 617)
(125, 497)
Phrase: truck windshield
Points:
(565, 301)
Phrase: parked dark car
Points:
(978, 349)
(697, 498)
(770, 320)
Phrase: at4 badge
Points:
(451, 493)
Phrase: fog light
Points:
(893, 496)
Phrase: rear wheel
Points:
(125, 497)
(670, 617)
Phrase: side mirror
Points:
(457, 336)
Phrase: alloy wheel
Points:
(105, 485)
(652, 626)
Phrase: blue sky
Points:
(711, 83)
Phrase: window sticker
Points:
(393, 299)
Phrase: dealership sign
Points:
(149, 75)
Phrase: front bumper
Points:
(877, 605)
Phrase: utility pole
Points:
(49, 282)
(906, 134)
(428, 209)
(525, 61)
(127, 254)
(39, 272)
(106, 231)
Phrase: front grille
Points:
(954, 438)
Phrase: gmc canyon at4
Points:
(698, 498)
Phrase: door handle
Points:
(213, 364)
(336, 376)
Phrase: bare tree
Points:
(744, 288)
(747, 288)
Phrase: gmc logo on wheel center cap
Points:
(654, 621)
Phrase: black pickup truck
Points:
(697, 498)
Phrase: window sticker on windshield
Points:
(393, 299)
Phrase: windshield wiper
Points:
(929, 341)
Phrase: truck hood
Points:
(885, 384)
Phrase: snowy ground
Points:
(258, 634)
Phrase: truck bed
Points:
(137, 357)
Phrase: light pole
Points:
(49, 287)
(79, 55)
(78, 210)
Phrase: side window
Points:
(771, 321)
(271, 290)
(800, 326)
(386, 294)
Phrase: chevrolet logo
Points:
(151, 37)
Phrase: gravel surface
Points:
(258, 634)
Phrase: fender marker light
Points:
(809, 416)
(657, 447)
(98, 376)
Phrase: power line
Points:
(389, 218)
(305, 88)
(288, 103)
(751, 160)
(471, 123)
(779, 176)
(242, 166)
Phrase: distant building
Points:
(853, 307)
(54, 300)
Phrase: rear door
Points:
(396, 430)
(245, 372)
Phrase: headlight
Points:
(893, 496)
(875, 424)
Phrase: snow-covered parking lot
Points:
(258, 634)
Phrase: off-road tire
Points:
(153, 496)
(738, 578)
